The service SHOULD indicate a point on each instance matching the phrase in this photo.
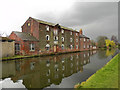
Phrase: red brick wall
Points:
(82, 43)
(33, 28)
(24, 46)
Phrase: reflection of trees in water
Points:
(110, 52)
(102, 54)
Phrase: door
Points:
(55, 48)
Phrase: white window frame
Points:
(76, 46)
(32, 47)
(62, 46)
(76, 34)
(47, 46)
(71, 47)
(84, 39)
(84, 46)
(47, 28)
(84, 55)
(48, 37)
(62, 31)
(62, 39)
(87, 46)
(76, 40)
(71, 39)
(56, 38)
(71, 33)
(55, 32)
(17, 47)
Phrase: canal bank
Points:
(40, 55)
(106, 77)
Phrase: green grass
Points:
(106, 77)
(13, 57)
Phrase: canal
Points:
(58, 71)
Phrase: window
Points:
(62, 46)
(76, 34)
(55, 32)
(32, 47)
(84, 55)
(62, 39)
(62, 31)
(71, 39)
(87, 46)
(88, 54)
(76, 40)
(47, 47)
(76, 46)
(88, 40)
(47, 37)
(84, 39)
(71, 46)
(28, 24)
(47, 28)
(70, 33)
(17, 47)
(84, 46)
(55, 38)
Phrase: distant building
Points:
(7, 47)
(38, 36)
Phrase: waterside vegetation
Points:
(106, 77)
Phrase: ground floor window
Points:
(71, 47)
(76, 46)
(32, 47)
(62, 46)
(47, 47)
(87, 46)
(17, 46)
(84, 46)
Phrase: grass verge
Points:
(106, 77)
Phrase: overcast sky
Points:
(95, 18)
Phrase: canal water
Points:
(58, 71)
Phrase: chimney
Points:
(80, 32)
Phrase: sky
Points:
(96, 17)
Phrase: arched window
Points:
(47, 47)
(55, 38)
(62, 39)
(47, 37)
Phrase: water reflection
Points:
(43, 71)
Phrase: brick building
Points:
(38, 36)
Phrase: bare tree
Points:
(114, 38)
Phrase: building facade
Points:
(49, 37)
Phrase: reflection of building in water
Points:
(50, 70)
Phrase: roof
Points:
(83, 36)
(53, 24)
(5, 39)
(25, 36)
